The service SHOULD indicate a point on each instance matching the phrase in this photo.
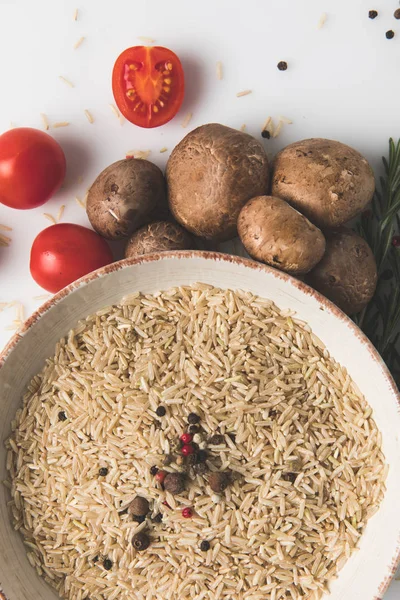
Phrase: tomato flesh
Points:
(32, 167)
(148, 85)
(65, 252)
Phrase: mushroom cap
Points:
(275, 233)
(347, 273)
(124, 196)
(325, 180)
(211, 174)
(160, 236)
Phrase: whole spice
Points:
(390, 34)
(396, 13)
(160, 476)
(219, 481)
(186, 438)
(197, 438)
(193, 429)
(141, 541)
(200, 468)
(187, 513)
(107, 564)
(187, 449)
(201, 456)
(289, 477)
(373, 14)
(161, 411)
(103, 471)
(139, 506)
(282, 65)
(174, 483)
(154, 470)
(205, 545)
(62, 416)
(265, 134)
(193, 418)
(216, 440)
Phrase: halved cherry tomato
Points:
(64, 252)
(32, 167)
(148, 85)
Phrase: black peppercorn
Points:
(191, 459)
(107, 564)
(153, 470)
(158, 518)
(204, 546)
(216, 439)
(193, 429)
(373, 14)
(193, 418)
(141, 541)
(282, 65)
(289, 477)
(390, 34)
(200, 468)
(219, 481)
(62, 416)
(201, 456)
(265, 134)
(396, 13)
(103, 471)
(138, 518)
(161, 411)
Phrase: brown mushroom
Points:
(158, 237)
(211, 174)
(275, 233)
(325, 180)
(347, 273)
(124, 197)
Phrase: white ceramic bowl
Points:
(368, 572)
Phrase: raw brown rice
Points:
(246, 368)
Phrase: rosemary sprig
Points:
(380, 320)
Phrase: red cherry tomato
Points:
(32, 167)
(148, 85)
(62, 253)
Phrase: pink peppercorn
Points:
(186, 438)
(160, 476)
(187, 513)
(187, 449)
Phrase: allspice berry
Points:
(141, 541)
(139, 507)
(174, 483)
(218, 482)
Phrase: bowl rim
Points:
(227, 258)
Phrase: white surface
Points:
(342, 82)
(363, 573)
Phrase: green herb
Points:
(380, 320)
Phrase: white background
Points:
(343, 82)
